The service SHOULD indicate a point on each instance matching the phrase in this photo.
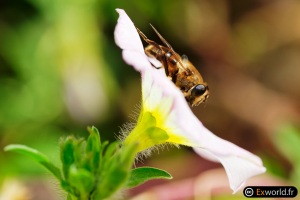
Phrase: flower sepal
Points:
(146, 133)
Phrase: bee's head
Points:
(198, 94)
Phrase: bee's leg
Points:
(165, 64)
(150, 42)
(154, 50)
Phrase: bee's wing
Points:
(170, 48)
(150, 42)
(157, 64)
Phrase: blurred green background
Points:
(60, 71)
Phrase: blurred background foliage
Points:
(61, 71)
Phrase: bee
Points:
(178, 69)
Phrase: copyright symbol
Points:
(248, 192)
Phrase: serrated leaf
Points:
(140, 175)
(35, 155)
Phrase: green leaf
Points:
(109, 153)
(118, 163)
(69, 197)
(287, 140)
(82, 180)
(142, 174)
(93, 148)
(128, 155)
(35, 155)
(112, 181)
(93, 141)
(68, 188)
(67, 151)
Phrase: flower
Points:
(166, 117)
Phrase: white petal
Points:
(239, 164)
(126, 35)
(136, 59)
(127, 38)
(147, 82)
(156, 88)
(238, 168)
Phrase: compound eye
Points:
(198, 90)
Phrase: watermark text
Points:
(270, 191)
